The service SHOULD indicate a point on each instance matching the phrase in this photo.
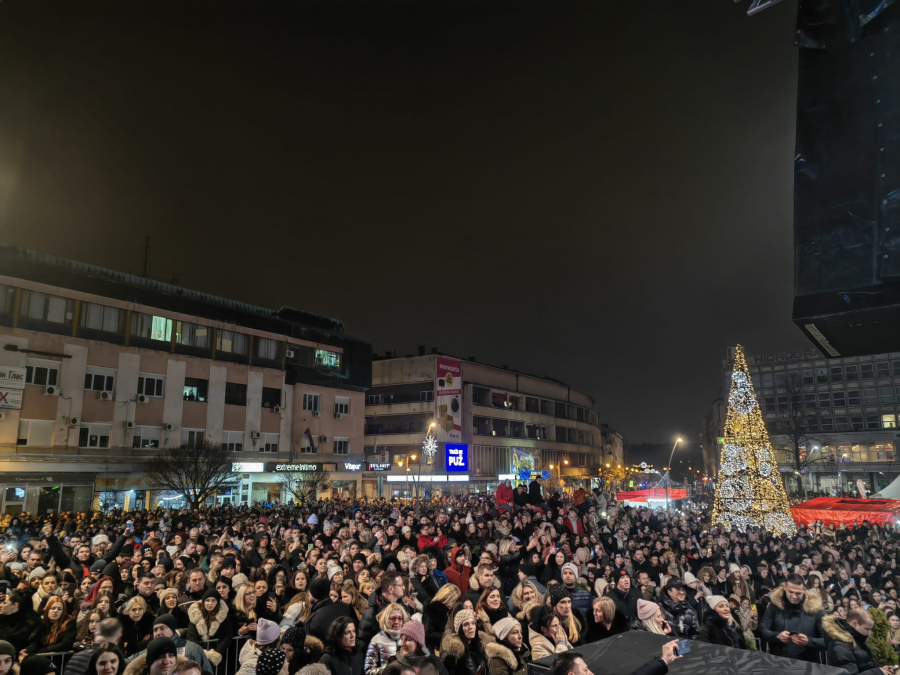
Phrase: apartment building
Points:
(847, 425)
(100, 369)
(489, 423)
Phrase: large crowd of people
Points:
(467, 585)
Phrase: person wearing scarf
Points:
(386, 642)
(490, 609)
(509, 655)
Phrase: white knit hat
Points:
(714, 600)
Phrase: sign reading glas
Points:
(457, 457)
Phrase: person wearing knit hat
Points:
(714, 600)
(461, 617)
(558, 593)
(294, 637)
(239, 580)
(646, 609)
(732, 568)
(413, 631)
(690, 579)
(572, 567)
(270, 662)
(7, 656)
(267, 632)
(161, 655)
(502, 627)
(335, 571)
(36, 665)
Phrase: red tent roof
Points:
(834, 511)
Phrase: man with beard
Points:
(792, 623)
(678, 611)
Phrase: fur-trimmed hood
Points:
(452, 644)
(494, 650)
(207, 632)
(812, 603)
(837, 629)
(139, 665)
(475, 586)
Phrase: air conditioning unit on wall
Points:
(51, 390)
(105, 396)
(143, 398)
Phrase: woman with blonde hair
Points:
(650, 618)
(386, 642)
(244, 610)
(604, 621)
(137, 623)
(524, 592)
(436, 614)
(350, 596)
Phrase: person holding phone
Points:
(792, 623)
(846, 643)
(719, 626)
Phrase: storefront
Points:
(267, 482)
(41, 493)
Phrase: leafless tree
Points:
(304, 486)
(792, 427)
(195, 472)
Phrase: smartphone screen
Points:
(309, 547)
(683, 647)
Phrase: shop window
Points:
(97, 379)
(37, 433)
(76, 498)
(49, 308)
(884, 453)
(268, 442)
(94, 436)
(270, 350)
(342, 406)
(192, 335)
(151, 327)
(102, 318)
(145, 437)
(150, 385)
(853, 397)
(327, 359)
(233, 441)
(341, 446)
(41, 372)
(851, 373)
(193, 438)
(889, 421)
(235, 393)
(195, 389)
(311, 402)
(230, 342)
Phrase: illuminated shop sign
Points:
(457, 457)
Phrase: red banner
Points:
(834, 511)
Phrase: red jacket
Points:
(504, 495)
(424, 541)
(456, 576)
(580, 530)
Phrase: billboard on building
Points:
(448, 400)
(12, 384)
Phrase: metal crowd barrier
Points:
(58, 659)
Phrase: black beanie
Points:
(166, 620)
(160, 646)
(229, 562)
(210, 593)
(320, 588)
(7, 649)
(360, 557)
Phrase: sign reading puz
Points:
(457, 457)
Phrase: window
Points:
(885, 395)
(145, 437)
(806, 375)
(342, 406)
(271, 397)
(812, 424)
(192, 438)
(883, 369)
(268, 442)
(769, 402)
(233, 441)
(821, 375)
(782, 402)
(767, 382)
(889, 421)
(35, 433)
(43, 307)
(869, 397)
(94, 436)
(780, 379)
(230, 342)
(41, 372)
(857, 424)
(841, 424)
(824, 399)
(872, 422)
(310, 401)
(838, 398)
(851, 373)
(341, 446)
(866, 371)
(151, 327)
(896, 365)
(809, 400)
(837, 374)
(827, 424)
(7, 299)
(97, 379)
(375, 399)
(306, 447)
(150, 385)
(195, 389)
(853, 397)
(269, 349)
(426, 396)
(327, 359)
(192, 335)
(235, 394)
(99, 317)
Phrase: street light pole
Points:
(428, 449)
(669, 471)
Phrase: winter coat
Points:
(458, 576)
(717, 631)
(626, 603)
(426, 587)
(80, 570)
(344, 663)
(17, 628)
(134, 634)
(502, 661)
(434, 618)
(64, 641)
(139, 665)
(806, 618)
(325, 613)
(847, 648)
(190, 650)
(368, 626)
(509, 571)
(581, 599)
(475, 590)
(541, 646)
(598, 631)
(220, 629)
(380, 650)
(459, 658)
(504, 495)
(681, 616)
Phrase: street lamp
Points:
(677, 441)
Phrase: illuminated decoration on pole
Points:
(751, 494)
(429, 446)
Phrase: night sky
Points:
(596, 191)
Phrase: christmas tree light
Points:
(751, 493)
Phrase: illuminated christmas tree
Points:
(750, 491)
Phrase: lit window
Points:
(192, 335)
(271, 350)
(889, 421)
(195, 389)
(327, 359)
(151, 327)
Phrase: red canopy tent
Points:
(834, 511)
(652, 494)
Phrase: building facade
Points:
(841, 412)
(488, 424)
(99, 370)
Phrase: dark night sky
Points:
(596, 191)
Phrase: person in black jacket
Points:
(342, 653)
(719, 626)
(55, 632)
(572, 663)
(325, 612)
(624, 596)
(82, 560)
(792, 623)
(847, 648)
(17, 620)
